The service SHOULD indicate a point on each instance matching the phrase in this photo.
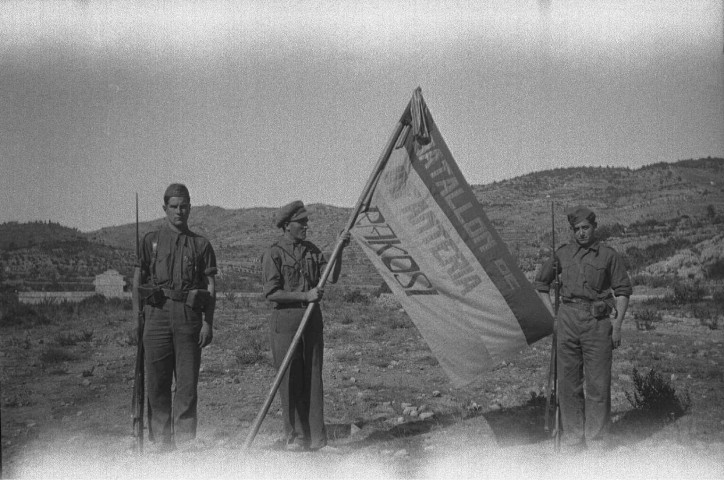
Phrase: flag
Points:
(428, 236)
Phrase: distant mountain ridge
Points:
(520, 209)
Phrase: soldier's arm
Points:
(622, 290)
(211, 306)
(206, 335)
(207, 325)
(621, 307)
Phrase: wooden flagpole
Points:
(402, 124)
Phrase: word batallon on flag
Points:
(428, 236)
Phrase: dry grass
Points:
(374, 364)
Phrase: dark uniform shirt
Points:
(293, 267)
(178, 261)
(587, 273)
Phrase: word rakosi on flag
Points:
(428, 236)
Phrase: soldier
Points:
(177, 272)
(291, 269)
(594, 284)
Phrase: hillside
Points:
(640, 211)
(48, 256)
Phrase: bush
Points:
(656, 398)
(685, 293)
(646, 318)
(56, 355)
(229, 298)
(708, 317)
(636, 258)
(70, 339)
(604, 232)
(129, 337)
(715, 271)
(251, 350)
(94, 301)
(718, 298)
(652, 281)
(355, 296)
(13, 313)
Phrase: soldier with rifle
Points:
(177, 288)
(593, 285)
(553, 369)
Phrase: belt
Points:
(577, 303)
(282, 306)
(582, 301)
(175, 295)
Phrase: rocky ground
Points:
(391, 412)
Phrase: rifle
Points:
(139, 378)
(553, 369)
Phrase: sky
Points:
(258, 103)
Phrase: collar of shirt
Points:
(175, 233)
(594, 247)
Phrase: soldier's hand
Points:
(344, 237)
(315, 294)
(616, 338)
(206, 334)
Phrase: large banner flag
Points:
(431, 241)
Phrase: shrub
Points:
(251, 350)
(604, 232)
(347, 318)
(646, 318)
(718, 298)
(656, 398)
(230, 299)
(394, 321)
(715, 271)
(685, 293)
(56, 355)
(70, 339)
(355, 296)
(635, 257)
(13, 313)
(708, 317)
(93, 301)
(129, 337)
(652, 281)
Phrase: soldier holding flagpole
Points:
(291, 270)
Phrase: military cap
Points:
(579, 214)
(291, 212)
(177, 190)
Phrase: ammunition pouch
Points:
(198, 299)
(600, 309)
(151, 295)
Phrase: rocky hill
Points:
(48, 256)
(650, 214)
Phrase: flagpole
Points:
(401, 125)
